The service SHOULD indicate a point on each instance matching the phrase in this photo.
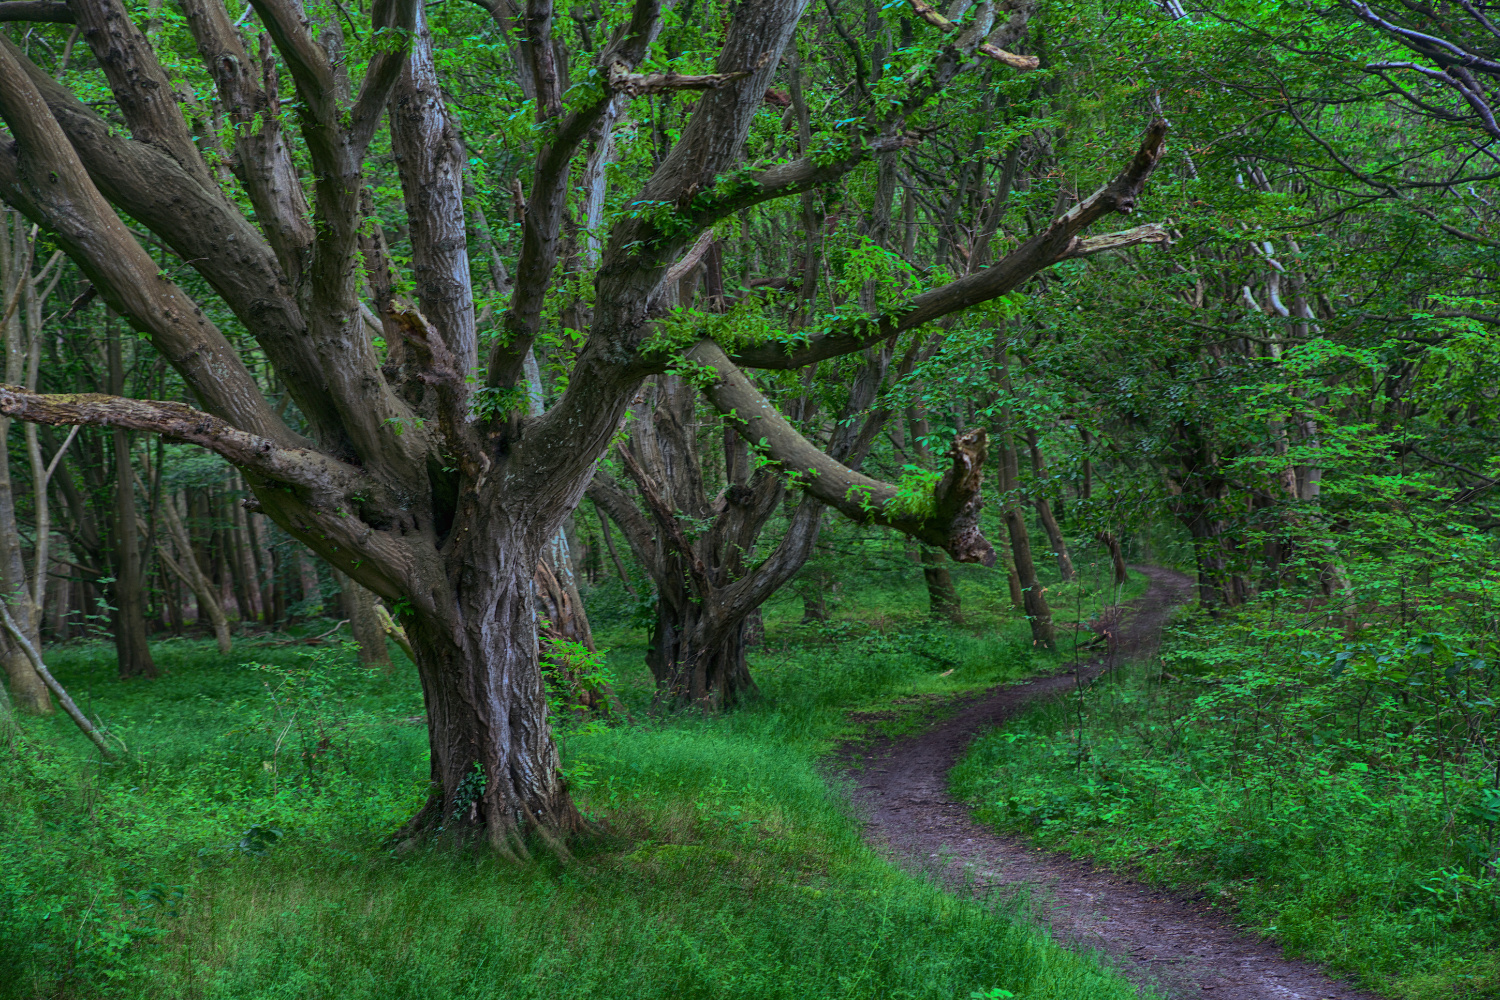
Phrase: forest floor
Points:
(1173, 942)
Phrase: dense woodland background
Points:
(1283, 380)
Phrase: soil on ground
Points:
(1175, 943)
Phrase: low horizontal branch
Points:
(1151, 232)
(326, 480)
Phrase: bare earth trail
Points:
(1176, 944)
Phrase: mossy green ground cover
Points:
(1334, 779)
(235, 850)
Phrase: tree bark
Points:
(185, 566)
(358, 606)
(404, 481)
(307, 577)
(495, 767)
(1034, 597)
(1111, 541)
(614, 555)
(1044, 514)
(28, 689)
(942, 596)
(132, 651)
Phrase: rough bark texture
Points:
(27, 688)
(706, 591)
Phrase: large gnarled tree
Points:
(433, 489)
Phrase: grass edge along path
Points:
(1327, 868)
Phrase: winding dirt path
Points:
(1175, 943)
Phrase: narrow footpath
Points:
(1175, 943)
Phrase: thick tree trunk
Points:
(694, 667)
(942, 596)
(496, 772)
(28, 690)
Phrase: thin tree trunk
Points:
(1044, 513)
(358, 605)
(1037, 611)
(247, 593)
(307, 576)
(1111, 542)
(942, 596)
(186, 567)
(132, 650)
(29, 650)
(1013, 579)
(609, 543)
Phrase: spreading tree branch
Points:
(930, 14)
(1059, 241)
(949, 519)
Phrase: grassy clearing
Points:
(234, 852)
(1334, 779)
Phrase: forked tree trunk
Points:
(395, 476)
(692, 666)
(1044, 514)
(1038, 613)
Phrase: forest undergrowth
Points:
(235, 850)
(1327, 769)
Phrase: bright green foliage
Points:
(1332, 774)
(234, 853)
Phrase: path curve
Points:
(1171, 941)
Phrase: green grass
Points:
(234, 852)
(1335, 791)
